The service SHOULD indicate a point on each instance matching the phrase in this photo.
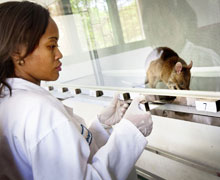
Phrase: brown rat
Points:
(164, 64)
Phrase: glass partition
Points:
(106, 42)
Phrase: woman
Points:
(42, 139)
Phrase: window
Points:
(105, 23)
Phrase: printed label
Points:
(86, 134)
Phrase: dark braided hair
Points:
(21, 23)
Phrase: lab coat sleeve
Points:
(119, 155)
(99, 133)
(64, 154)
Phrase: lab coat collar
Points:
(22, 84)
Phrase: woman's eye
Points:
(53, 46)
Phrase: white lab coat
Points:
(41, 138)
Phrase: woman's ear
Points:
(17, 59)
(17, 56)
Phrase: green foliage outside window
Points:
(97, 24)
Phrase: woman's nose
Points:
(59, 55)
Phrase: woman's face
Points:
(44, 62)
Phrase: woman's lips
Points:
(59, 67)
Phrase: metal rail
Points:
(147, 91)
(146, 174)
(184, 160)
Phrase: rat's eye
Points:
(174, 87)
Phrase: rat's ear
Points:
(190, 65)
(178, 67)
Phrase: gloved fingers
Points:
(124, 104)
(124, 107)
(136, 101)
(146, 126)
(146, 131)
(117, 103)
(141, 118)
(122, 112)
(115, 99)
(148, 119)
(129, 101)
(142, 121)
(121, 106)
(121, 102)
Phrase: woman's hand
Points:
(113, 113)
(141, 119)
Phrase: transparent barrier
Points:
(106, 43)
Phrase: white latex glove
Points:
(141, 119)
(113, 113)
